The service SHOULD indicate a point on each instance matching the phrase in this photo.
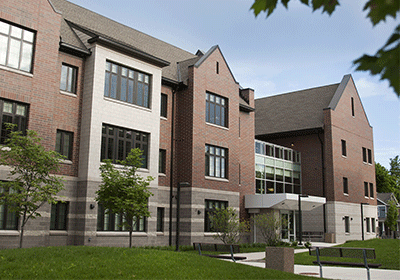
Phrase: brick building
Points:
(329, 127)
(93, 88)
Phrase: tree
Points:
(386, 61)
(226, 224)
(385, 183)
(124, 192)
(395, 168)
(269, 226)
(392, 216)
(30, 182)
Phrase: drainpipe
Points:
(171, 171)
(323, 178)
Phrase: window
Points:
(160, 219)
(346, 224)
(216, 110)
(59, 216)
(352, 106)
(365, 189)
(164, 105)
(373, 225)
(381, 212)
(127, 85)
(8, 219)
(64, 140)
(162, 160)
(369, 156)
(68, 78)
(109, 221)
(217, 67)
(211, 206)
(371, 190)
(216, 161)
(15, 113)
(344, 151)
(368, 224)
(364, 152)
(117, 142)
(345, 185)
(16, 47)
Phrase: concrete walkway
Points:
(330, 272)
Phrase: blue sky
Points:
(293, 49)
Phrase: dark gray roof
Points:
(386, 197)
(98, 24)
(294, 111)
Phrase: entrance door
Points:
(288, 226)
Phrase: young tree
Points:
(227, 226)
(392, 216)
(123, 191)
(386, 61)
(30, 182)
(385, 183)
(269, 226)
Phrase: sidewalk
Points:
(330, 272)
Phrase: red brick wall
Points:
(165, 136)
(193, 133)
(357, 133)
(48, 110)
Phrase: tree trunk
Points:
(130, 237)
(21, 235)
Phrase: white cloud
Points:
(368, 88)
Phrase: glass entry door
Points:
(288, 225)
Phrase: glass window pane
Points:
(70, 79)
(108, 66)
(16, 32)
(3, 49)
(4, 28)
(124, 71)
(58, 142)
(14, 53)
(114, 68)
(28, 36)
(131, 74)
(123, 88)
(140, 77)
(26, 59)
(64, 74)
(113, 92)
(7, 107)
(146, 79)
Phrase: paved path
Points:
(330, 272)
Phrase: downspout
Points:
(171, 172)
(323, 178)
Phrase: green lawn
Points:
(387, 253)
(123, 263)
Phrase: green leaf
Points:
(386, 62)
(264, 6)
(380, 9)
(328, 6)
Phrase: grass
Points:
(387, 253)
(74, 262)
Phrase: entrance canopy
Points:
(282, 201)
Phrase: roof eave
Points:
(245, 108)
(137, 53)
(68, 48)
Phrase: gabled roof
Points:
(107, 28)
(384, 198)
(294, 111)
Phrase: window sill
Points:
(120, 233)
(58, 233)
(163, 118)
(66, 161)
(16, 71)
(345, 194)
(162, 175)
(68, 93)
(126, 104)
(211, 234)
(121, 167)
(217, 179)
(9, 233)
(160, 233)
(217, 126)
